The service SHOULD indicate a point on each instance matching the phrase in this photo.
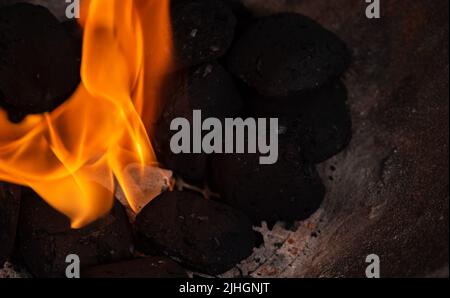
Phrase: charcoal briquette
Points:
(323, 117)
(241, 12)
(46, 239)
(202, 31)
(39, 63)
(208, 88)
(202, 234)
(288, 190)
(287, 53)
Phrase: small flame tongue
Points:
(71, 156)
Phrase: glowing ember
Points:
(71, 156)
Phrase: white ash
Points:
(12, 271)
(282, 248)
(147, 182)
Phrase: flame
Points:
(72, 156)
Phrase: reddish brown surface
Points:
(389, 195)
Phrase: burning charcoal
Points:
(202, 234)
(149, 267)
(39, 66)
(45, 238)
(326, 122)
(202, 31)
(208, 88)
(9, 215)
(287, 53)
(287, 190)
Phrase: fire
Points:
(72, 156)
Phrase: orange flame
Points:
(71, 156)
